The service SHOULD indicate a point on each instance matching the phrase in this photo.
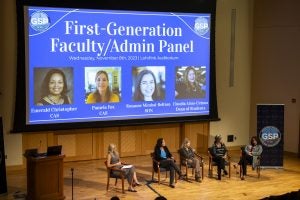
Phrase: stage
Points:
(89, 182)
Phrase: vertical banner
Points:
(270, 127)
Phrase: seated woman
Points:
(219, 154)
(113, 160)
(249, 155)
(163, 155)
(187, 153)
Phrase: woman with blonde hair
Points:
(187, 153)
(113, 160)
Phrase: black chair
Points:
(158, 169)
(211, 163)
(184, 164)
(120, 175)
(258, 167)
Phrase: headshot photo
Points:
(53, 86)
(102, 85)
(148, 83)
(190, 82)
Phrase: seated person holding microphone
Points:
(188, 154)
(250, 155)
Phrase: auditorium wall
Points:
(233, 101)
(276, 71)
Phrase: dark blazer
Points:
(157, 153)
(186, 153)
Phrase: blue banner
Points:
(270, 129)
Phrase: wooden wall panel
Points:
(35, 140)
(198, 133)
(130, 141)
(150, 134)
(87, 144)
(110, 135)
(84, 144)
(69, 144)
(77, 144)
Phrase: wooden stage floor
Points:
(89, 183)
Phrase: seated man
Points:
(249, 156)
(187, 153)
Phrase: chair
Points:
(157, 169)
(211, 163)
(184, 163)
(258, 167)
(111, 175)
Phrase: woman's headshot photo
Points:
(189, 82)
(102, 85)
(148, 83)
(55, 87)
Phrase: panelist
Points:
(250, 155)
(188, 154)
(146, 87)
(54, 89)
(219, 154)
(113, 160)
(163, 155)
(103, 92)
(189, 87)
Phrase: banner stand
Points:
(270, 131)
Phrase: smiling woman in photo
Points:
(103, 92)
(145, 87)
(54, 89)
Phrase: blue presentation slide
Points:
(102, 65)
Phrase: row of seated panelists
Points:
(156, 169)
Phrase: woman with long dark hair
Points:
(163, 155)
(249, 155)
(193, 89)
(145, 87)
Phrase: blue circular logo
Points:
(39, 21)
(270, 136)
(201, 26)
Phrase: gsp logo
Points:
(270, 136)
(39, 21)
(201, 26)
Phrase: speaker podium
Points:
(45, 178)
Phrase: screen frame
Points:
(193, 6)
